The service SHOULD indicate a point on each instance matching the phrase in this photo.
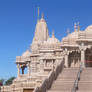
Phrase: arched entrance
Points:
(88, 57)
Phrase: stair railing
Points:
(75, 86)
(46, 84)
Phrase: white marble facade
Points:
(46, 52)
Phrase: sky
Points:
(18, 19)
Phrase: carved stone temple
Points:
(48, 59)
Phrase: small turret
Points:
(78, 27)
(53, 35)
(75, 27)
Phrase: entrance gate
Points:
(28, 90)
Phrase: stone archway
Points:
(88, 57)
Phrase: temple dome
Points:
(89, 28)
(73, 35)
(71, 38)
(26, 53)
(53, 39)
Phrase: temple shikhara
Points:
(55, 66)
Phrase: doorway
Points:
(28, 90)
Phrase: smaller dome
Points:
(26, 53)
(89, 28)
(53, 39)
(73, 35)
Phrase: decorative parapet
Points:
(82, 47)
(22, 59)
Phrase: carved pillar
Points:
(83, 54)
(83, 57)
(41, 65)
(28, 68)
(66, 57)
(18, 67)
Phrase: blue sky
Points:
(18, 19)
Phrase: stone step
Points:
(65, 80)
(85, 83)
(57, 91)
(62, 80)
(63, 88)
(84, 91)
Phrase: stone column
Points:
(66, 57)
(18, 67)
(83, 57)
(28, 65)
(41, 65)
(82, 48)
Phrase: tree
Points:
(9, 81)
(1, 82)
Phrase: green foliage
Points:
(1, 81)
(9, 81)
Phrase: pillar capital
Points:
(18, 65)
(82, 47)
(66, 52)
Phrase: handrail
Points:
(75, 86)
(46, 84)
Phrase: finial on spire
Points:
(53, 35)
(75, 27)
(38, 13)
(42, 15)
(68, 31)
(78, 26)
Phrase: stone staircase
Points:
(65, 80)
(85, 83)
